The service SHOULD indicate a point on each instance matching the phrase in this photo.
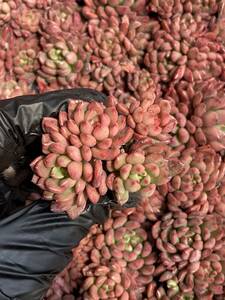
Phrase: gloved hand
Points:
(35, 243)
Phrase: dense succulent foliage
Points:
(159, 138)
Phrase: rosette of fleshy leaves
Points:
(71, 171)
(208, 118)
(148, 119)
(61, 60)
(186, 26)
(209, 280)
(165, 9)
(199, 110)
(140, 171)
(62, 18)
(166, 56)
(125, 35)
(142, 86)
(122, 243)
(178, 96)
(11, 87)
(195, 188)
(115, 47)
(152, 207)
(205, 60)
(107, 282)
(25, 21)
(101, 9)
(185, 242)
(24, 58)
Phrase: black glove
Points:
(35, 243)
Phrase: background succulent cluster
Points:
(161, 136)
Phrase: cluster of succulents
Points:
(159, 138)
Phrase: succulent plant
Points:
(137, 171)
(24, 58)
(206, 10)
(185, 241)
(166, 57)
(192, 189)
(25, 21)
(94, 9)
(113, 266)
(71, 171)
(61, 60)
(205, 59)
(152, 207)
(107, 282)
(145, 118)
(62, 18)
(142, 86)
(165, 9)
(208, 114)
(13, 88)
(115, 46)
(209, 281)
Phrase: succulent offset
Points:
(187, 243)
(71, 172)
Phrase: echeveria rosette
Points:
(205, 59)
(107, 282)
(147, 119)
(61, 61)
(118, 43)
(140, 171)
(195, 189)
(209, 281)
(185, 27)
(25, 21)
(208, 119)
(122, 247)
(205, 8)
(166, 57)
(97, 9)
(12, 88)
(71, 171)
(25, 63)
(130, 174)
(142, 86)
(62, 18)
(165, 9)
(152, 207)
(184, 242)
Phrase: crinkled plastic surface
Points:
(36, 244)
